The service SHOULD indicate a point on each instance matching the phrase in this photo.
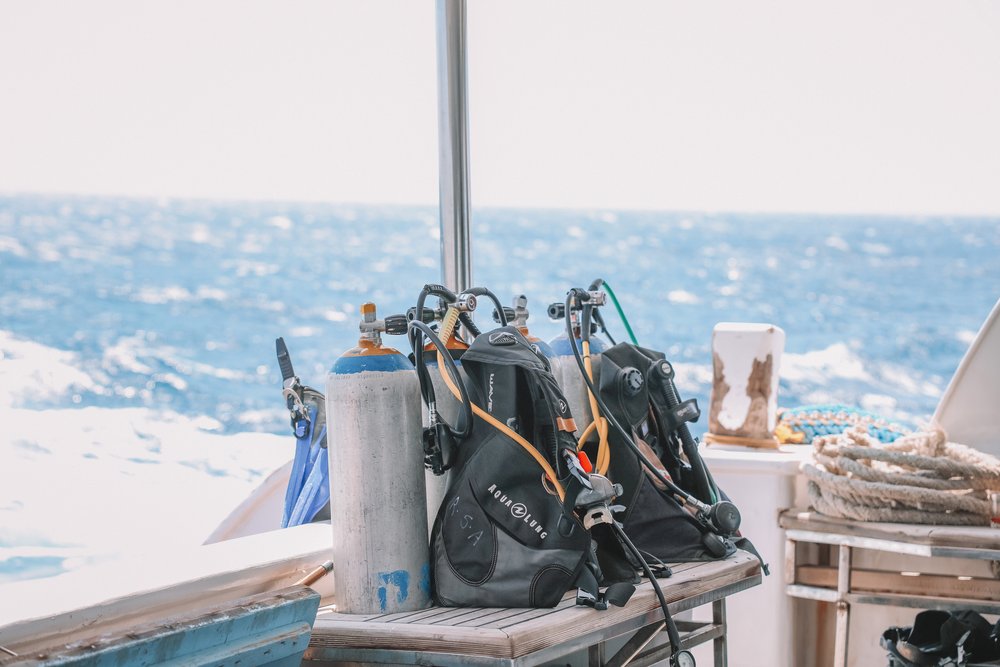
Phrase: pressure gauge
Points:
(684, 659)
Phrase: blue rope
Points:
(818, 420)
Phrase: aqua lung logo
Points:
(518, 511)
(502, 338)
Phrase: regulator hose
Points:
(444, 359)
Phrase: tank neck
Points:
(371, 328)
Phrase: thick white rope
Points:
(919, 478)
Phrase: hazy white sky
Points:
(854, 106)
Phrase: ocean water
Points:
(140, 397)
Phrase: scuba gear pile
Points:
(520, 516)
(517, 523)
(380, 551)
(674, 510)
(307, 496)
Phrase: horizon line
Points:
(229, 199)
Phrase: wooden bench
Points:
(835, 578)
(521, 637)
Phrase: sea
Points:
(140, 397)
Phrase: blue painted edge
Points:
(267, 628)
(371, 362)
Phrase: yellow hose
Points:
(448, 325)
(599, 423)
(487, 417)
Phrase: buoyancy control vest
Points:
(674, 511)
(505, 534)
(633, 386)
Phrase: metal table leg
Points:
(843, 607)
(595, 655)
(719, 643)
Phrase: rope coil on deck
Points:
(918, 478)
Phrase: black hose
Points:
(706, 485)
(445, 294)
(482, 291)
(671, 627)
(599, 320)
(452, 368)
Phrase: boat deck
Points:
(522, 637)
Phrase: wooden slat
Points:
(410, 637)
(457, 615)
(677, 568)
(968, 537)
(879, 581)
(493, 618)
(512, 633)
(532, 636)
(422, 616)
(530, 615)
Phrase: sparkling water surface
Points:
(140, 397)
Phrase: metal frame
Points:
(842, 596)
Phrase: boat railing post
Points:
(453, 145)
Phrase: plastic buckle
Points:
(588, 599)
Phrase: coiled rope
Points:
(918, 478)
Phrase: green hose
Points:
(621, 313)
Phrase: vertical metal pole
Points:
(453, 145)
(843, 607)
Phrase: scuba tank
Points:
(564, 366)
(435, 482)
(378, 505)
(518, 317)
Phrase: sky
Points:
(851, 106)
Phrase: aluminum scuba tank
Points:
(377, 497)
(567, 371)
